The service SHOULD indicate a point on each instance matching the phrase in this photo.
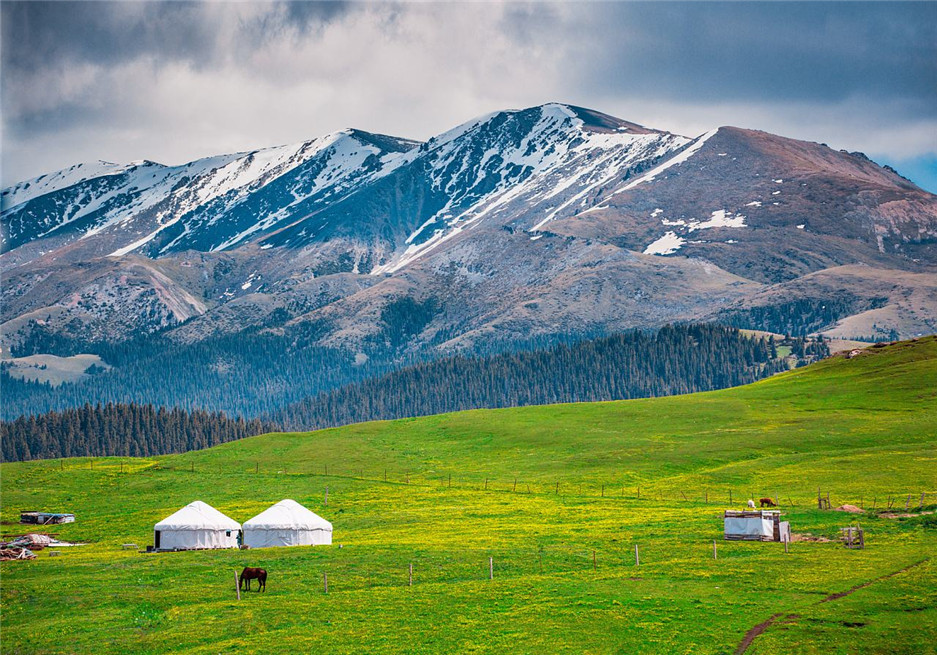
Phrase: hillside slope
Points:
(558, 496)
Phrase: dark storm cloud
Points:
(41, 34)
(176, 80)
(783, 51)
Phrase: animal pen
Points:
(46, 518)
(756, 525)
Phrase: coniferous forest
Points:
(674, 360)
(120, 429)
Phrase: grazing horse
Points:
(766, 502)
(249, 574)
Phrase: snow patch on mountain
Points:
(666, 245)
(674, 161)
(49, 182)
(719, 218)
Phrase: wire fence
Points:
(662, 491)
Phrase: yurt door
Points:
(156, 539)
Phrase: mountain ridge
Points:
(548, 220)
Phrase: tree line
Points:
(674, 360)
(802, 316)
(128, 430)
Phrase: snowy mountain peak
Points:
(552, 160)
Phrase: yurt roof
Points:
(197, 516)
(287, 514)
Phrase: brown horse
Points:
(766, 502)
(248, 574)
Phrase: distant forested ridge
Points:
(802, 316)
(119, 429)
(674, 360)
(248, 373)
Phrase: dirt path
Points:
(754, 632)
(764, 625)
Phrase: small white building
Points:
(756, 525)
(195, 526)
(287, 524)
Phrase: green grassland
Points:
(557, 495)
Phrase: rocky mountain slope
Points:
(544, 221)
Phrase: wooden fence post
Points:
(450, 480)
(594, 566)
(706, 497)
(486, 484)
(786, 541)
(730, 496)
(714, 549)
(639, 493)
(385, 475)
(325, 582)
(557, 488)
(491, 568)
(256, 467)
(326, 495)
(907, 503)
(777, 501)
(637, 557)
(603, 491)
(515, 485)
(411, 575)
(237, 584)
(921, 504)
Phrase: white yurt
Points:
(197, 525)
(287, 524)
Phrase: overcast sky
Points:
(173, 81)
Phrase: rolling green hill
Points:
(558, 495)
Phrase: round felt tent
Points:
(287, 524)
(197, 525)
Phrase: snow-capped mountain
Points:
(551, 219)
(209, 204)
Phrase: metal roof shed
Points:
(755, 525)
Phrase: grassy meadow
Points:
(557, 495)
